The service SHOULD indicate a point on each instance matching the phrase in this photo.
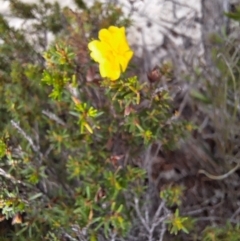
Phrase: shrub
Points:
(71, 140)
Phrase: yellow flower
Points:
(112, 52)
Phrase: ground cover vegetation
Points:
(90, 152)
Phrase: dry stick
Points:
(136, 206)
(113, 236)
(33, 146)
(66, 235)
(28, 138)
(221, 177)
(235, 214)
(155, 222)
(54, 117)
(163, 230)
(10, 177)
(22, 132)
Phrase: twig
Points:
(113, 236)
(81, 233)
(221, 177)
(155, 221)
(163, 230)
(136, 206)
(28, 138)
(68, 236)
(52, 116)
(10, 177)
(235, 214)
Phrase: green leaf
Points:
(234, 15)
(35, 196)
(3, 149)
(199, 96)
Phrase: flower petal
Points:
(114, 37)
(105, 37)
(99, 50)
(112, 52)
(110, 69)
(124, 59)
(118, 36)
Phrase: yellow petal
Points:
(123, 43)
(124, 59)
(105, 37)
(112, 52)
(99, 50)
(114, 37)
(110, 69)
(118, 37)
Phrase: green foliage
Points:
(228, 232)
(172, 195)
(3, 148)
(60, 69)
(69, 140)
(218, 98)
(73, 138)
(80, 4)
(234, 15)
(177, 223)
(10, 204)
